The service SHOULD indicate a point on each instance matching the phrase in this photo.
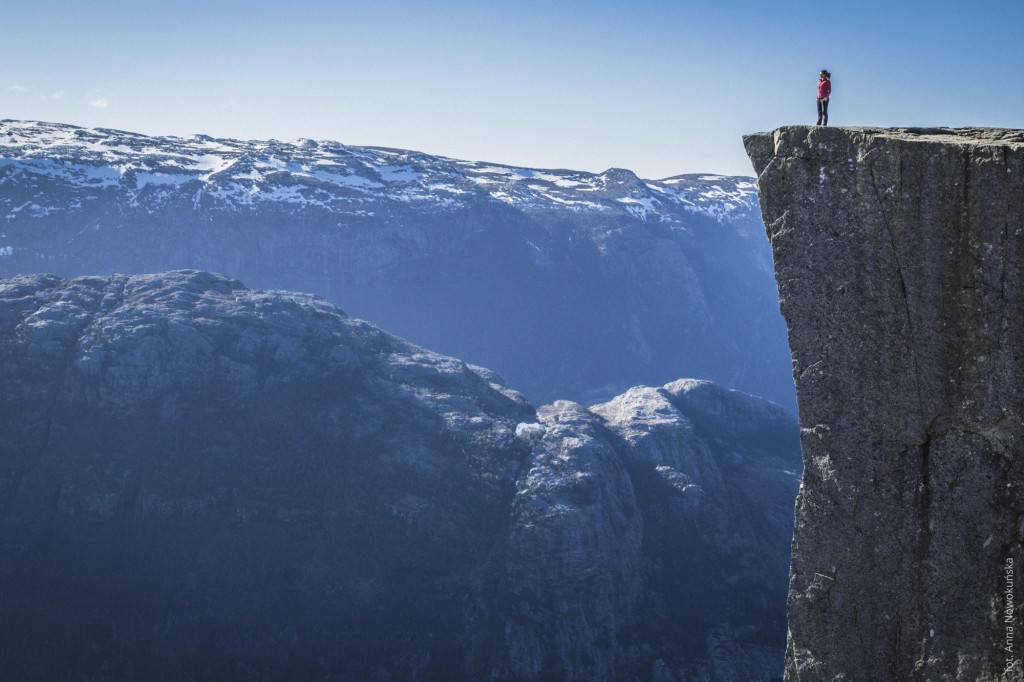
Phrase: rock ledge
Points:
(899, 256)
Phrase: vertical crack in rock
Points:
(922, 552)
(901, 277)
(902, 282)
(923, 503)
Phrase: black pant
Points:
(823, 112)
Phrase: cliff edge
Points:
(899, 256)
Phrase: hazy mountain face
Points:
(573, 285)
(202, 481)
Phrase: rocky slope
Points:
(571, 284)
(899, 255)
(202, 481)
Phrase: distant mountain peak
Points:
(342, 178)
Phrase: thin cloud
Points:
(101, 103)
(17, 88)
(53, 96)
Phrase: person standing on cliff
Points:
(824, 90)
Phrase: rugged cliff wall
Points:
(899, 257)
(202, 481)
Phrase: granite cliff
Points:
(899, 255)
(203, 481)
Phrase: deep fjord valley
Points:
(300, 410)
(204, 480)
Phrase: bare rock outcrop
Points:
(899, 255)
(203, 481)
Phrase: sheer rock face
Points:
(899, 257)
(202, 481)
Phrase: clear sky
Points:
(661, 87)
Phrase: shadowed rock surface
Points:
(571, 284)
(899, 257)
(202, 481)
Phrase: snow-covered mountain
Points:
(330, 176)
(572, 284)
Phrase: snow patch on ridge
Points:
(329, 176)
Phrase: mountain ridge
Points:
(572, 285)
(200, 480)
(239, 167)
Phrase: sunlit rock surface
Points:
(899, 256)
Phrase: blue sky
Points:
(656, 86)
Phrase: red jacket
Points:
(824, 88)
